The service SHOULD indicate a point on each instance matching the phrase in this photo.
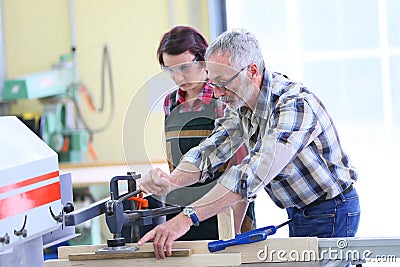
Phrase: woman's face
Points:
(184, 69)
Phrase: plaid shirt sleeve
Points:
(219, 147)
(294, 150)
(294, 126)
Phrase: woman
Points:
(190, 112)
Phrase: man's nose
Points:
(218, 91)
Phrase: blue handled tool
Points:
(252, 236)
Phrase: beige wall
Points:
(37, 32)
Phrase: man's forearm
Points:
(216, 201)
(184, 174)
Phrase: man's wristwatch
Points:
(189, 211)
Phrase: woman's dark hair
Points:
(182, 38)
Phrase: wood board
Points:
(294, 249)
(125, 255)
(195, 260)
(226, 225)
(249, 252)
(197, 247)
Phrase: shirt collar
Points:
(262, 109)
(205, 95)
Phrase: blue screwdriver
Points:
(252, 236)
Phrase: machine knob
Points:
(5, 239)
(69, 207)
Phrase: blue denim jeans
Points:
(337, 217)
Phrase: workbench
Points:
(304, 252)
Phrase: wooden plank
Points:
(226, 226)
(195, 260)
(125, 255)
(294, 249)
(197, 247)
(249, 252)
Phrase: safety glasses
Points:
(181, 68)
(222, 86)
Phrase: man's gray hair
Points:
(242, 46)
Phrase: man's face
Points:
(230, 85)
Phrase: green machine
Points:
(58, 124)
(61, 124)
(38, 85)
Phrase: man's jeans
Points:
(337, 217)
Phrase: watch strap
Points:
(195, 219)
(191, 213)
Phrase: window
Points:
(348, 53)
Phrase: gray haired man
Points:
(294, 151)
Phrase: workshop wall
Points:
(37, 32)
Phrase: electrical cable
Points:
(106, 69)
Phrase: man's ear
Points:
(253, 69)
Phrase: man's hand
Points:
(155, 182)
(164, 235)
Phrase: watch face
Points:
(188, 210)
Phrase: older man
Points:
(294, 151)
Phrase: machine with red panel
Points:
(31, 203)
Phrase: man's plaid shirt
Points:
(295, 152)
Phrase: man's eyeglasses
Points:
(222, 86)
(181, 68)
